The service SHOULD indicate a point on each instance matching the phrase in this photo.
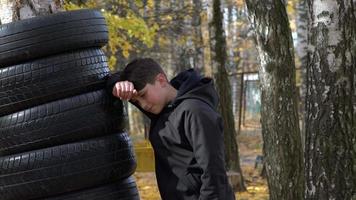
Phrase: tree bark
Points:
(279, 115)
(302, 17)
(330, 100)
(228, 27)
(301, 50)
(173, 42)
(12, 10)
(205, 18)
(218, 51)
(198, 37)
(157, 10)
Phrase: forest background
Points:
(285, 73)
(291, 62)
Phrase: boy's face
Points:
(152, 98)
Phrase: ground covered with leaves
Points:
(250, 146)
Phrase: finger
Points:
(121, 91)
(115, 90)
(131, 89)
(126, 89)
(134, 93)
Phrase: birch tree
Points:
(279, 115)
(330, 100)
(301, 50)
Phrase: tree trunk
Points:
(157, 11)
(330, 107)
(173, 42)
(228, 26)
(185, 48)
(218, 51)
(205, 18)
(233, 62)
(198, 37)
(11, 10)
(302, 17)
(180, 46)
(301, 50)
(279, 115)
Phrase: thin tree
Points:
(157, 10)
(198, 37)
(205, 17)
(218, 51)
(330, 107)
(279, 115)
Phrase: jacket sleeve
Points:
(111, 81)
(204, 130)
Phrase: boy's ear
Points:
(162, 79)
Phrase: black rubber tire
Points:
(33, 83)
(125, 189)
(65, 168)
(36, 37)
(67, 120)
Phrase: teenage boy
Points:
(186, 131)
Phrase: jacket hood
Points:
(191, 85)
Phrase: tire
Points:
(36, 37)
(67, 120)
(125, 189)
(66, 168)
(43, 80)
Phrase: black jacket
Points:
(187, 138)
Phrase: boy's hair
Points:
(141, 71)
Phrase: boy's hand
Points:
(124, 90)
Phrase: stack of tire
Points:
(61, 134)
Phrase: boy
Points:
(186, 131)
